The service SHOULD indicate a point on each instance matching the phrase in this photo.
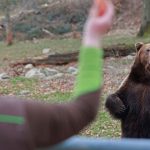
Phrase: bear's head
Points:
(143, 56)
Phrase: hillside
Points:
(67, 19)
(128, 20)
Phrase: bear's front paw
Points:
(115, 105)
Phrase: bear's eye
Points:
(148, 50)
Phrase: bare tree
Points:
(145, 26)
(9, 33)
(5, 6)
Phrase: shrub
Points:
(22, 27)
(61, 29)
(34, 33)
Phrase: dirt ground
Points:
(115, 70)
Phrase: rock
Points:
(41, 73)
(48, 32)
(111, 67)
(45, 5)
(34, 73)
(29, 66)
(4, 76)
(45, 50)
(59, 75)
(130, 57)
(72, 70)
(49, 72)
(112, 58)
(35, 41)
(133, 54)
(24, 92)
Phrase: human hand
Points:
(96, 26)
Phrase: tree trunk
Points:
(145, 26)
(9, 33)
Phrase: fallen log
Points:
(65, 58)
(119, 50)
(55, 59)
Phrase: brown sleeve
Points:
(52, 123)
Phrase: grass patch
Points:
(26, 49)
(15, 85)
(103, 126)
(54, 97)
(23, 80)
(22, 50)
(127, 40)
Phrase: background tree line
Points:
(9, 8)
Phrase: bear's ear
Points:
(138, 45)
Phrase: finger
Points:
(94, 10)
(110, 9)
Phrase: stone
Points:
(59, 75)
(24, 92)
(45, 50)
(72, 70)
(111, 67)
(4, 76)
(130, 57)
(49, 72)
(28, 66)
(34, 73)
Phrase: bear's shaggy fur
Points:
(131, 102)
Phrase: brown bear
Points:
(131, 102)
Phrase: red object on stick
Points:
(102, 6)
